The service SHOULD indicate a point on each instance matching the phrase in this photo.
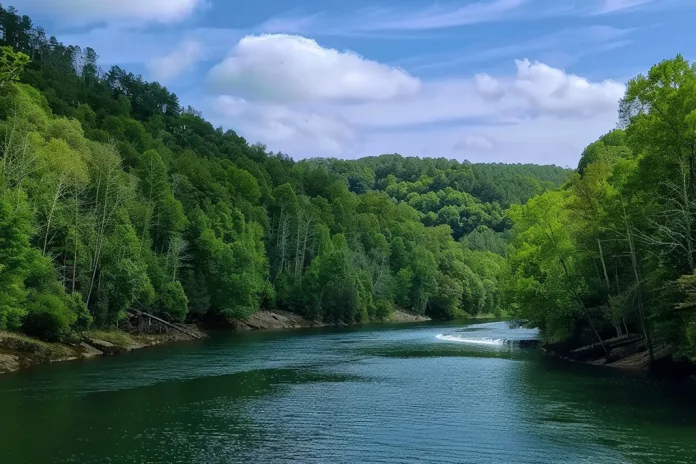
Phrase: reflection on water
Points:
(418, 393)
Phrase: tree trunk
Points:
(59, 191)
(634, 262)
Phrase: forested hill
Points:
(612, 254)
(115, 197)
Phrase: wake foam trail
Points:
(477, 341)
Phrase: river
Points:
(424, 392)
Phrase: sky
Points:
(515, 81)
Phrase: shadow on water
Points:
(644, 419)
(127, 424)
(438, 350)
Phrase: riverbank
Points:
(278, 319)
(628, 353)
(19, 351)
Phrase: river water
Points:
(391, 394)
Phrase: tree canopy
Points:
(115, 197)
(612, 252)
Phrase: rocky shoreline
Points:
(19, 351)
(628, 353)
(268, 320)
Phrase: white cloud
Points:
(113, 11)
(552, 91)
(437, 17)
(286, 129)
(388, 22)
(170, 66)
(292, 68)
(331, 103)
(579, 42)
(381, 19)
(544, 140)
(124, 46)
(488, 87)
(438, 102)
(536, 90)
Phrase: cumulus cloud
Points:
(553, 91)
(488, 87)
(298, 131)
(113, 11)
(535, 91)
(331, 103)
(281, 67)
(167, 67)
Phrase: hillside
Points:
(115, 197)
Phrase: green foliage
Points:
(15, 254)
(11, 65)
(115, 197)
(48, 318)
(613, 251)
(172, 301)
(543, 266)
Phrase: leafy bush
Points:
(48, 318)
(384, 309)
(172, 301)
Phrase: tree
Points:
(11, 66)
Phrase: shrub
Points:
(48, 318)
(384, 309)
(172, 301)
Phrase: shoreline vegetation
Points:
(605, 266)
(19, 351)
(117, 200)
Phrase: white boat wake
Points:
(476, 341)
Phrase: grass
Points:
(114, 337)
(15, 342)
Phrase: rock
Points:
(274, 320)
(105, 347)
(399, 315)
(88, 351)
(8, 363)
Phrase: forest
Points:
(114, 197)
(611, 253)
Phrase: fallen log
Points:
(167, 324)
(596, 348)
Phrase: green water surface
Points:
(379, 394)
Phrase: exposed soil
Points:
(19, 351)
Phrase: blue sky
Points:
(483, 80)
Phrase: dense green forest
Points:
(612, 252)
(115, 197)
